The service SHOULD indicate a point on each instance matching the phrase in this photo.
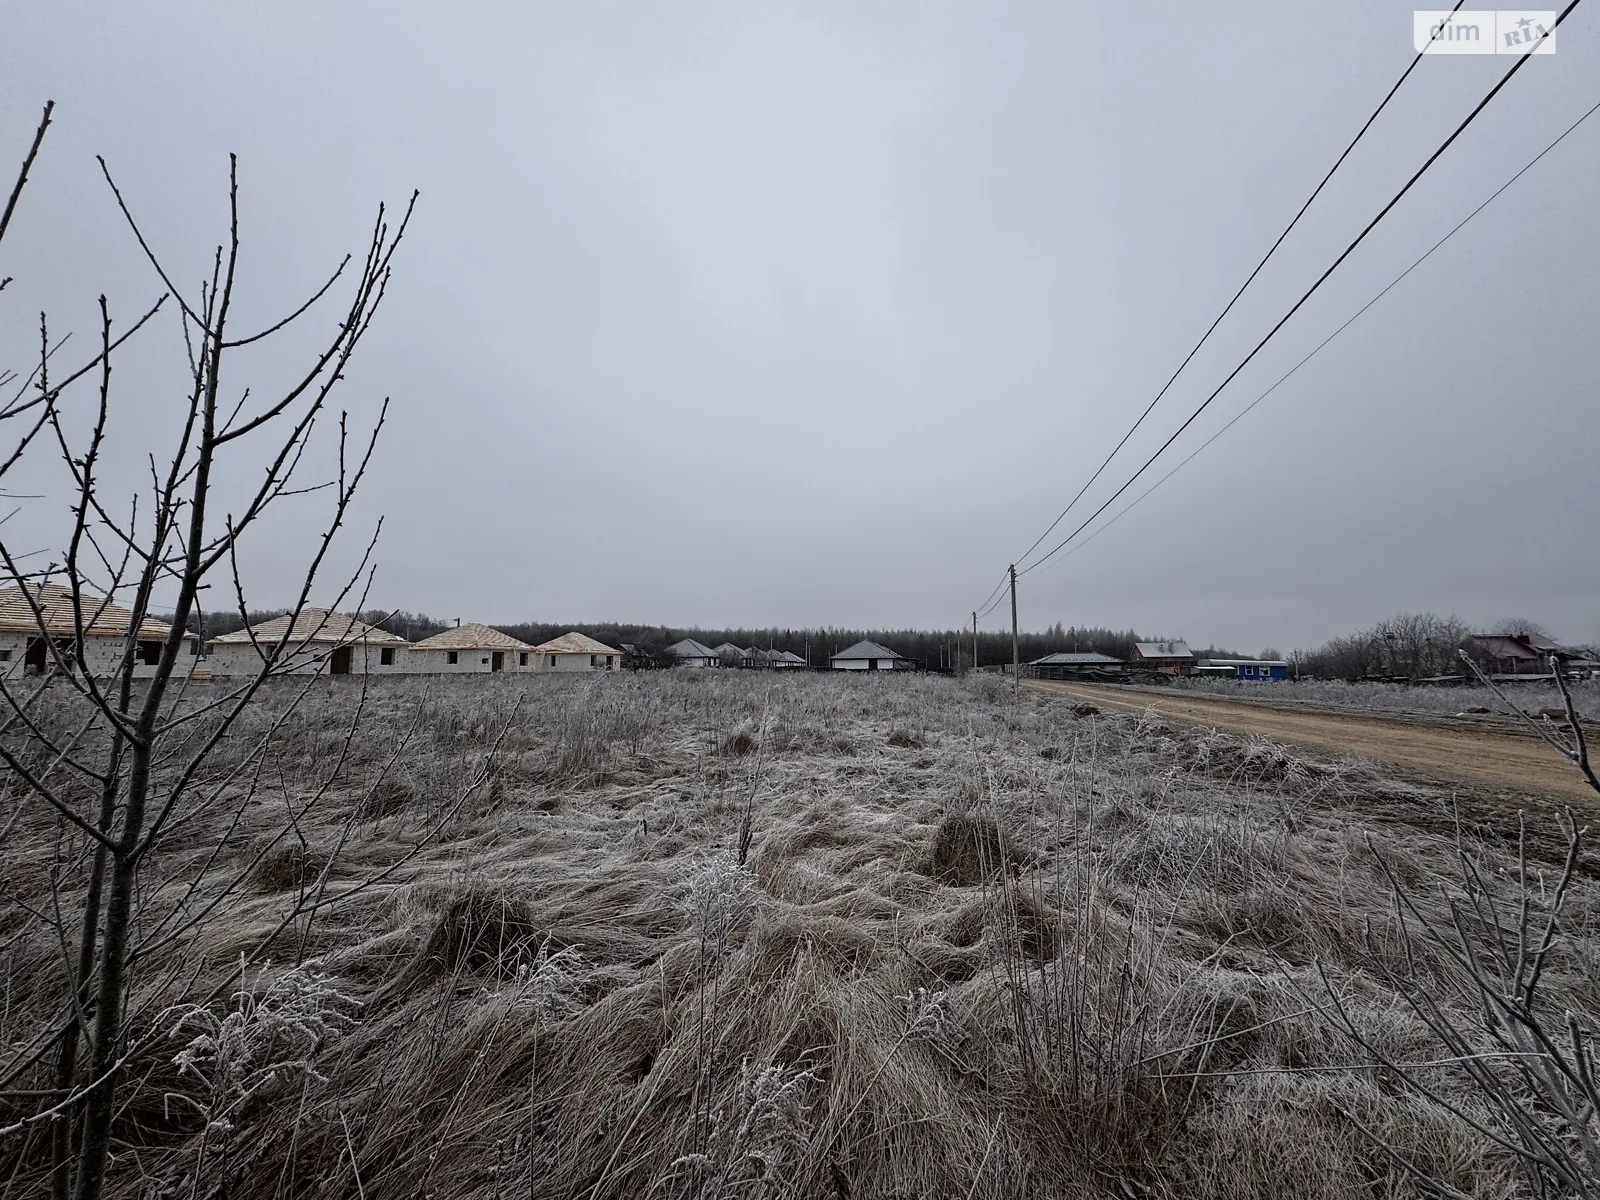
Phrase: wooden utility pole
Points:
(1016, 677)
(974, 641)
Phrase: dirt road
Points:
(1491, 760)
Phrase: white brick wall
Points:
(437, 662)
(578, 662)
(237, 659)
(102, 653)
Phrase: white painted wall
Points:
(862, 664)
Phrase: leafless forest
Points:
(708, 934)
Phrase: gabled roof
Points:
(1075, 657)
(317, 626)
(1528, 647)
(729, 648)
(1163, 650)
(55, 605)
(864, 649)
(575, 643)
(789, 656)
(471, 636)
(689, 648)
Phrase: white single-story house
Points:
(731, 655)
(691, 653)
(319, 641)
(576, 652)
(869, 656)
(46, 610)
(787, 660)
(470, 647)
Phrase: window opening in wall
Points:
(150, 653)
(386, 656)
(450, 657)
(5, 656)
(522, 659)
(552, 660)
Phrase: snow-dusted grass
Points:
(979, 947)
(1398, 698)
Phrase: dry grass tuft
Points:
(289, 866)
(967, 850)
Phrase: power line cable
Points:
(1298, 304)
(1323, 344)
(1227, 308)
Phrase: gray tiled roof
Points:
(864, 649)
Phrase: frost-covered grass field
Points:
(500, 943)
(1398, 698)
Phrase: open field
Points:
(502, 944)
(1503, 757)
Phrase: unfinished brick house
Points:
(576, 652)
(46, 613)
(471, 648)
(320, 642)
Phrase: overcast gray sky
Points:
(760, 314)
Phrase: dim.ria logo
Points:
(1484, 31)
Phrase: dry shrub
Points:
(967, 849)
(740, 744)
(905, 739)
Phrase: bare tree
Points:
(120, 749)
(1532, 1069)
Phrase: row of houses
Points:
(321, 641)
(1501, 655)
(863, 656)
(1164, 658)
(316, 640)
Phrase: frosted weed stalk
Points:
(270, 1036)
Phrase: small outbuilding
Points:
(1170, 658)
(468, 648)
(576, 652)
(691, 653)
(869, 656)
(1077, 664)
(30, 621)
(1246, 670)
(786, 660)
(316, 641)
